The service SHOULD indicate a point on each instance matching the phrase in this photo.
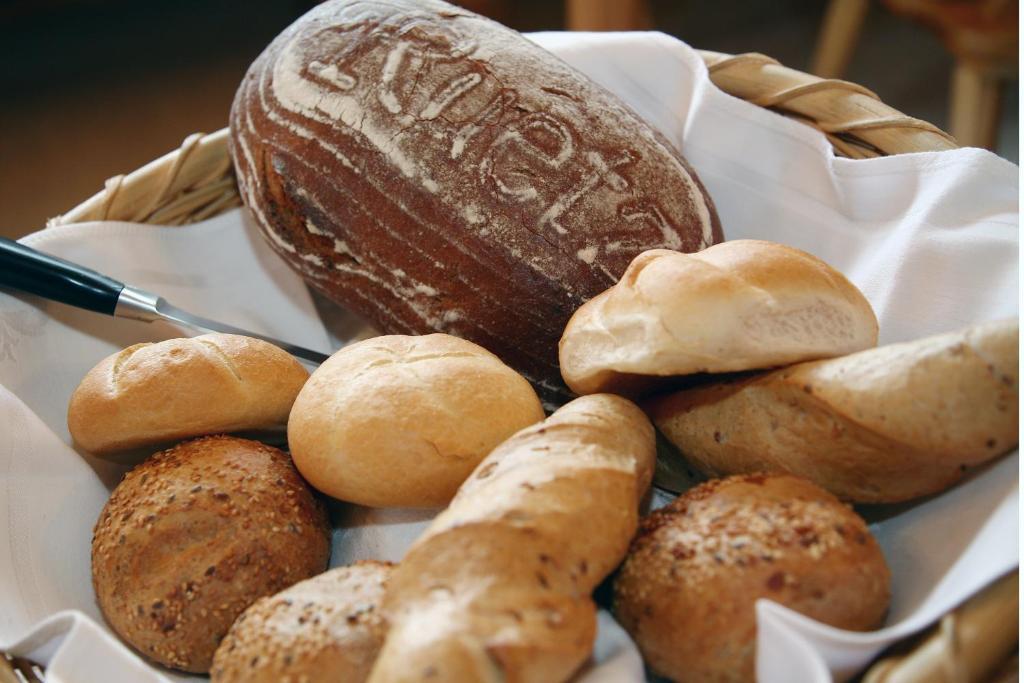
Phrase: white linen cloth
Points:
(930, 238)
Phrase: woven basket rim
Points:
(196, 181)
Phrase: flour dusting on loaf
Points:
(435, 171)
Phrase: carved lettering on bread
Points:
(633, 212)
(536, 138)
(386, 90)
(490, 115)
(330, 74)
(411, 59)
(602, 172)
(451, 91)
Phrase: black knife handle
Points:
(27, 270)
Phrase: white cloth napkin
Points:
(930, 238)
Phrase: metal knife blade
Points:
(139, 304)
(25, 269)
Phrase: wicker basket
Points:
(196, 182)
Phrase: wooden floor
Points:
(61, 138)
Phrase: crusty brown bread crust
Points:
(687, 589)
(401, 421)
(150, 394)
(498, 588)
(196, 534)
(739, 305)
(880, 426)
(435, 171)
(327, 629)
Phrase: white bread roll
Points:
(498, 587)
(150, 394)
(322, 630)
(687, 590)
(400, 421)
(882, 425)
(739, 305)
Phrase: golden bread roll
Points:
(739, 305)
(687, 590)
(322, 630)
(151, 394)
(193, 536)
(399, 421)
(884, 425)
(499, 586)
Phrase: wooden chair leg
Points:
(607, 15)
(838, 37)
(974, 110)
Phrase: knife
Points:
(33, 272)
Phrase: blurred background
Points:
(93, 88)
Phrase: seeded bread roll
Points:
(437, 172)
(739, 305)
(193, 536)
(180, 388)
(879, 426)
(498, 588)
(398, 421)
(687, 589)
(327, 629)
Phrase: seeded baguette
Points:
(435, 171)
(499, 586)
(880, 426)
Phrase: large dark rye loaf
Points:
(435, 171)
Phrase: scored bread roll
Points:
(327, 629)
(687, 590)
(739, 305)
(193, 536)
(498, 587)
(435, 171)
(883, 425)
(150, 394)
(398, 421)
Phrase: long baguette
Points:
(883, 425)
(499, 586)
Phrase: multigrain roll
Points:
(739, 305)
(437, 172)
(687, 589)
(151, 394)
(193, 536)
(880, 426)
(398, 421)
(327, 629)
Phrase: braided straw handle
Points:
(190, 184)
(195, 181)
(858, 124)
